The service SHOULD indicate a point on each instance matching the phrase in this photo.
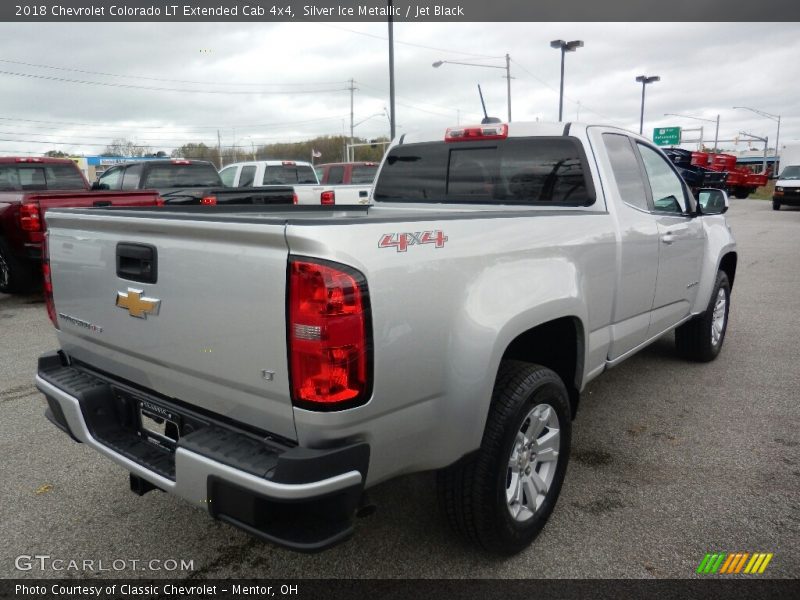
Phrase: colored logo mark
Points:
(734, 562)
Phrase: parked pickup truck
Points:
(351, 181)
(28, 188)
(695, 175)
(181, 181)
(269, 174)
(270, 365)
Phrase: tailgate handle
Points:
(363, 194)
(137, 262)
(99, 203)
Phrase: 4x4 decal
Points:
(401, 241)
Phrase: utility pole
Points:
(219, 150)
(508, 84)
(392, 126)
(352, 91)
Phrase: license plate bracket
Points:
(159, 425)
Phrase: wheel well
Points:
(557, 345)
(728, 264)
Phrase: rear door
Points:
(203, 324)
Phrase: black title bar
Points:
(400, 10)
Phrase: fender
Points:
(505, 301)
(719, 242)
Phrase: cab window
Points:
(228, 175)
(665, 185)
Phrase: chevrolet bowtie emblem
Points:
(136, 305)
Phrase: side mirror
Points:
(712, 201)
(96, 186)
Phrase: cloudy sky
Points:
(75, 87)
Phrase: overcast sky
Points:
(287, 82)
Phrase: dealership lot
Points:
(670, 460)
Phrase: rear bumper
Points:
(300, 498)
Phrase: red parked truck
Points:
(351, 181)
(741, 181)
(28, 187)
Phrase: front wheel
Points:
(503, 495)
(701, 338)
(776, 205)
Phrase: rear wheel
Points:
(701, 338)
(503, 495)
(15, 276)
(741, 193)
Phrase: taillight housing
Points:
(329, 335)
(295, 198)
(47, 283)
(29, 217)
(208, 200)
(327, 198)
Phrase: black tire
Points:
(741, 193)
(473, 491)
(776, 205)
(16, 276)
(694, 339)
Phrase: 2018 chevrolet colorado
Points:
(268, 365)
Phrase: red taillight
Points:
(295, 199)
(47, 284)
(329, 336)
(29, 160)
(160, 201)
(209, 200)
(476, 133)
(288, 163)
(29, 217)
(327, 197)
(181, 162)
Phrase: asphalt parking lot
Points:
(670, 460)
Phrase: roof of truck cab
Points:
(32, 160)
(270, 163)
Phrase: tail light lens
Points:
(209, 200)
(47, 283)
(330, 347)
(29, 217)
(327, 198)
(160, 201)
(295, 199)
(476, 133)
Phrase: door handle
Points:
(668, 238)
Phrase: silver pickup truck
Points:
(270, 364)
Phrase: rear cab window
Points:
(180, 175)
(290, 174)
(363, 174)
(537, 171)
(40, 177)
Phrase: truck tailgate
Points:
(216, 339)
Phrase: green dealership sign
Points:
(667, 136)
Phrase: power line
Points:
(187, 130)
(165, 89)
(168, 80)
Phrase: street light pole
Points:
(644, 80)
(392, 125)
(508, 84)
(564, 47)
(507, 68)
(777, 135)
